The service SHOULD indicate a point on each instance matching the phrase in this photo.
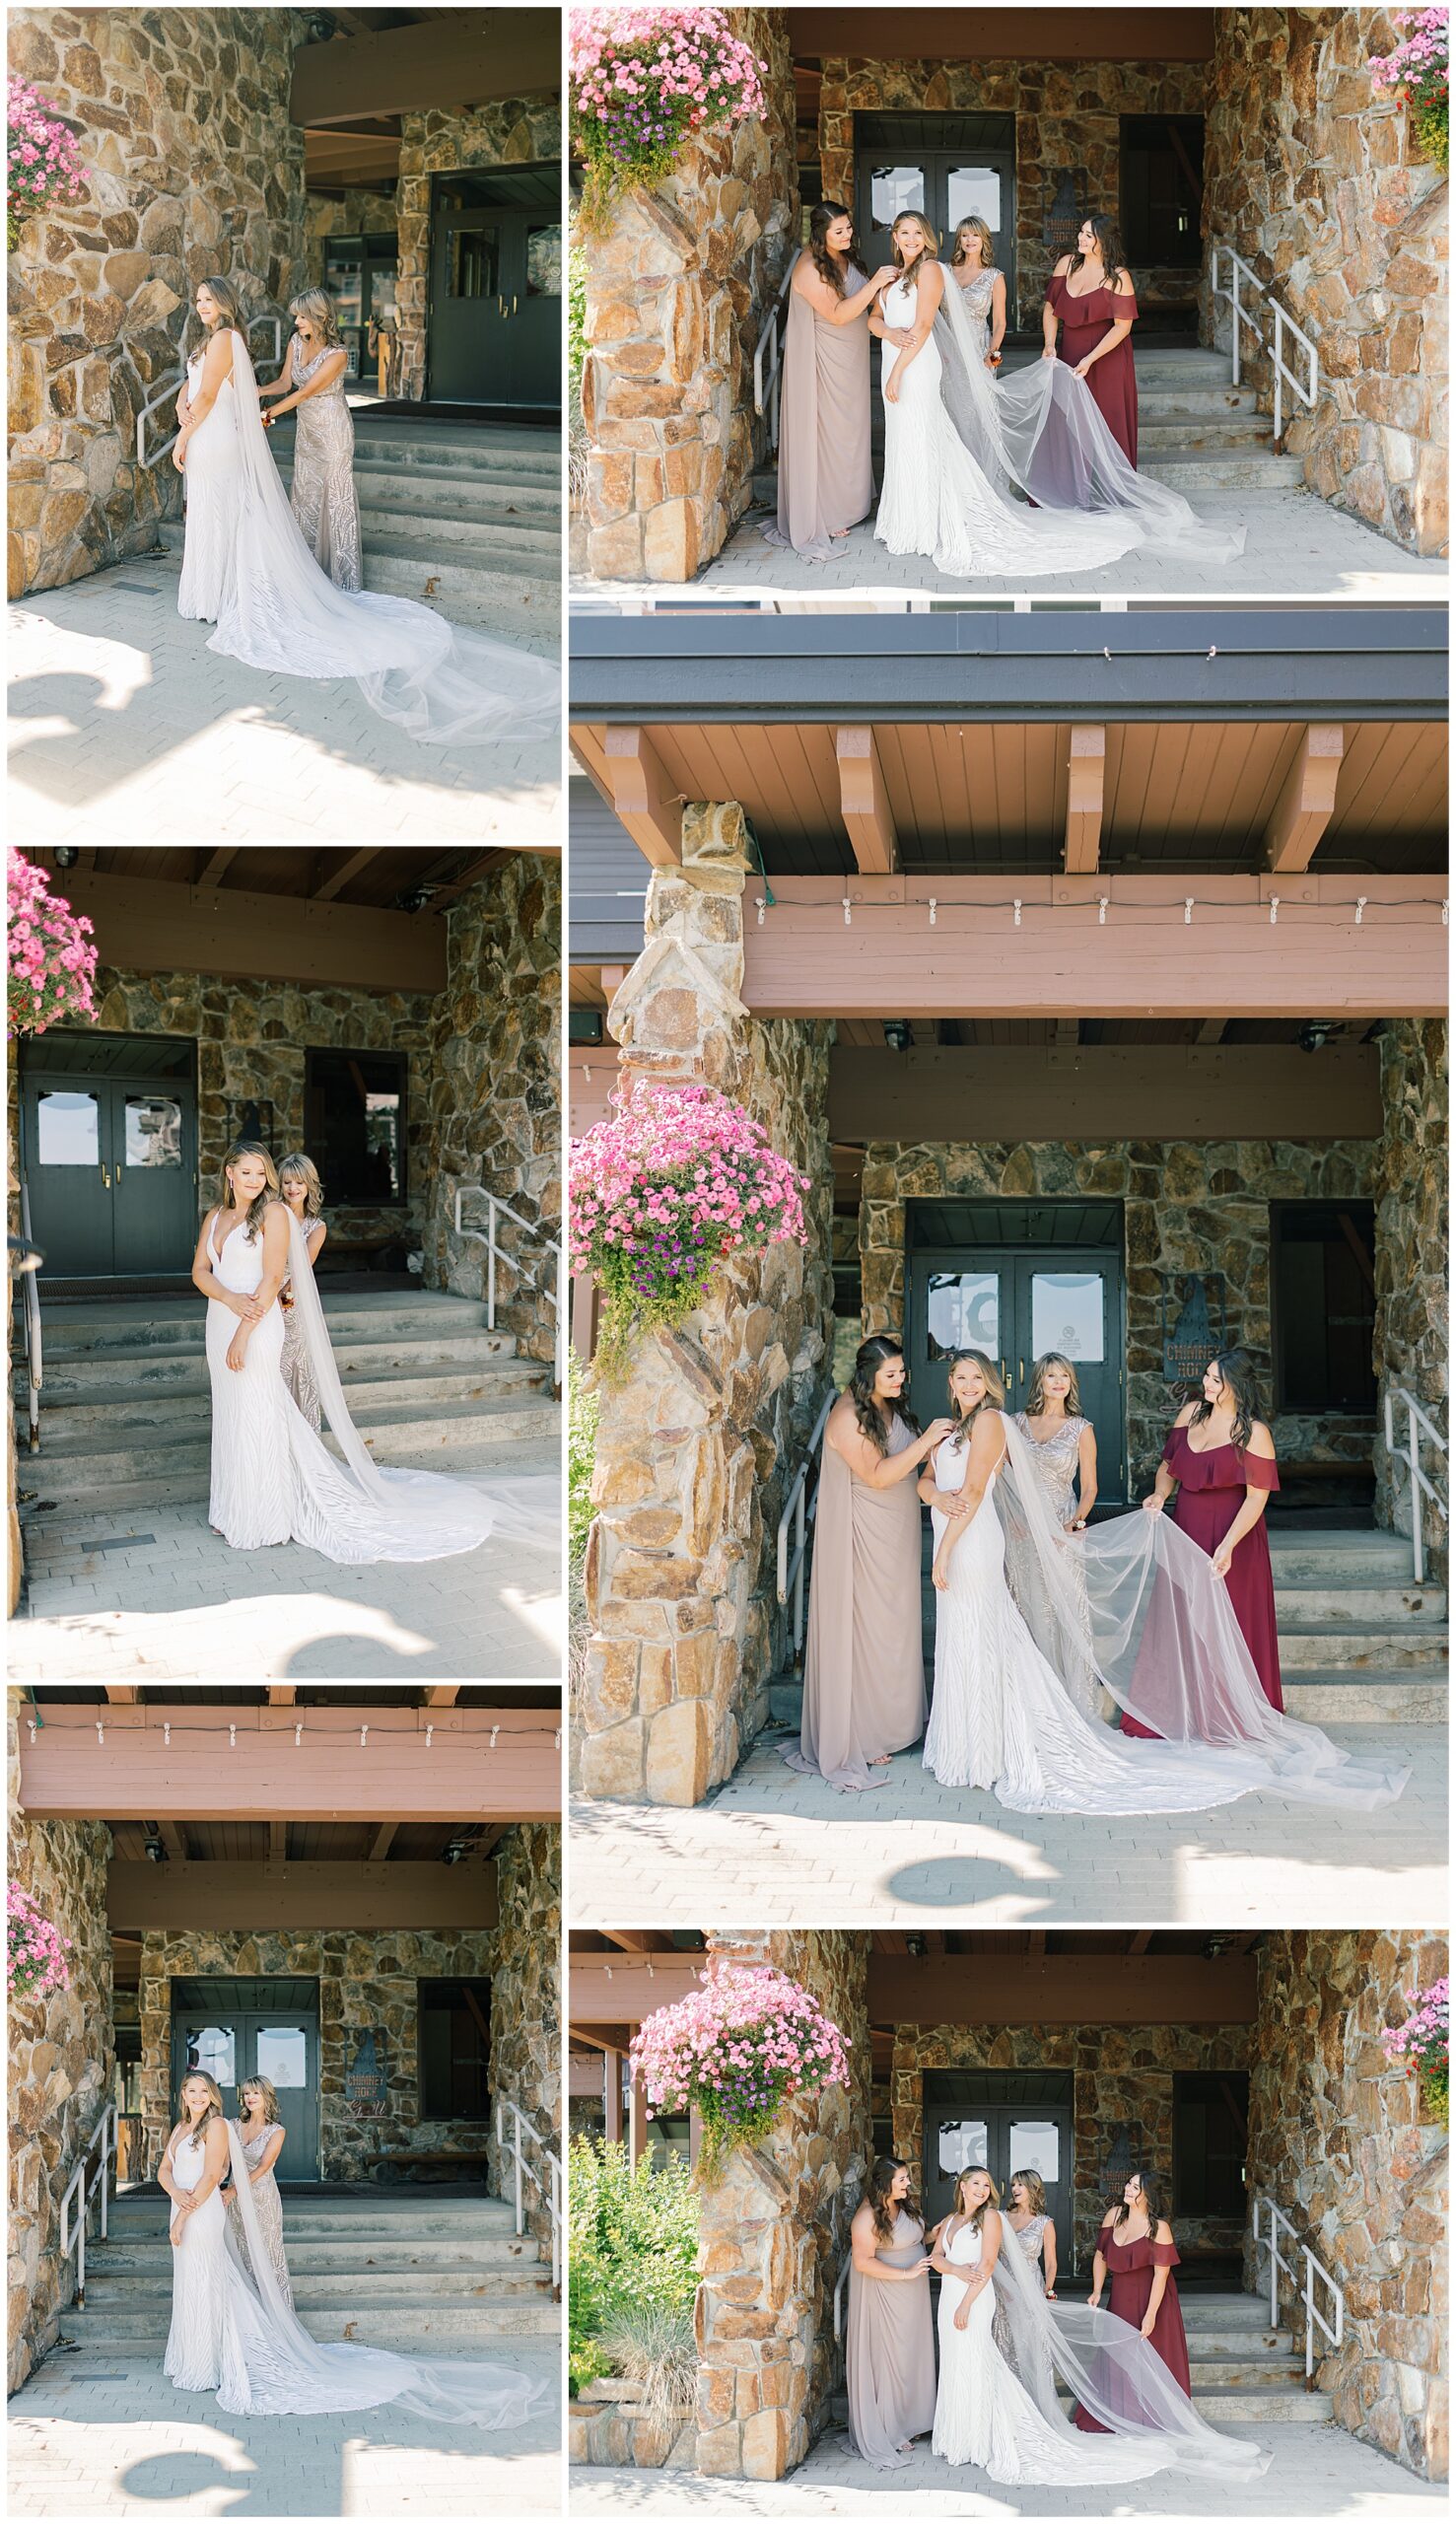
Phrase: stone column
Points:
(692, 1452)
(1411, 1332)
(774, 2232)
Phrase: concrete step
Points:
(101, 1373)
(1354, 1646)
(176, 1410)
(1373, 1607)
(1419, 1697)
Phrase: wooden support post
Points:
(1306, 802)
(863, 804)
(1085, 773)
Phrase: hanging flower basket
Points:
(51, 965)
(643, 82)
(736, 2053)
(682, 1177)
(1422, 2047)
(1417, 72)
(37, 1950)
(45, 158)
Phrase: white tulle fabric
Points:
(963, 454)
(275, 609)
(233, 2333)
(1140, 1602)
(273, 1478)
(997, 2403)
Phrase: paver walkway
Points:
(127, 726)
(773, 1844)
(170, 1600)
(1297, 545)
(99, 2436)
(1316, 2472)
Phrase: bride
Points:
(247, 568)
(1005, 2350)
(958, 447)
(234, 2332)
(273, 1479)
(1132, 1597)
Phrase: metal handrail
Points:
(768, 359)
(1283, 374)
(797, 1508)
(557, 1297)
(550, 2189)
(160, 398)
(1416, 1420)
(1313, 2269)
(78, 2190)
(31, 1302)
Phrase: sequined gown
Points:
(298, 1374)
(1056, 1459)
(269, 2205)
(324, 500)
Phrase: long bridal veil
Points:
(1037, 430)
(1111, 2371)
(1140, 1600)
(281, 613)
(287, 2371)
(359, 1510)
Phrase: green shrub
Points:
(634, 2247)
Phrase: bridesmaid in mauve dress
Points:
(863, 1670)
(825, 481)
(889, 2363)
(1090, 296)
(1219, 1458)
(1136, 2249)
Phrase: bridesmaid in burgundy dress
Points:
(1090, 296)
(1136, 2249)
(1219, 1458)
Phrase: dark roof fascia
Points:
(1354, 661)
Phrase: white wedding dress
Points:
(273, 1478)
(233, 2333)
(247, 567)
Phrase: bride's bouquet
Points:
(736, 2053)
(679, 1178)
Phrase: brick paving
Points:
(178, 1602)
(126, 725)
(94, 2435)
(773, 1845)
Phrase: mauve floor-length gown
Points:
(889, 2363)
(863, 1667)
(1112, 379)
(1130, 2268)
(826, 482)
(1210, 1492)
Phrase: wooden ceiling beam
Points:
(343, 874)
(1307, 802)
(307, 1893)
(643, 795)
(864, 802)
(1086, 772)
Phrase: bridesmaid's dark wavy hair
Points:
(869, 1358)
(1105, 228)
(821, 219)
(1152, 2201)
(1238, 1376)
(882, 2208)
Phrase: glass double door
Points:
(232, 2042)
(111, 1166)
(1011, 2124)
(494, 296)
(946, 185)
(1016, 1304)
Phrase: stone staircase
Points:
(125, 1420)
(463, 517)
(391, 2269)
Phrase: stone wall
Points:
(60, 2060)
(1337, 2137)
(1187, 1205)
(526, 1999)
(1067, 144)
(677, 293)
(1316, 179)
(494, 1103)
(1122, 2092)
(364, 1979)
(192, 166)
(1411, 1337)
(693, 1452)
(774, 2228)
(511, 132)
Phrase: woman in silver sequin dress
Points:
(311, 383)
(1064, 1448)
(262, 2134)
(298, 1182)
(982, 287)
